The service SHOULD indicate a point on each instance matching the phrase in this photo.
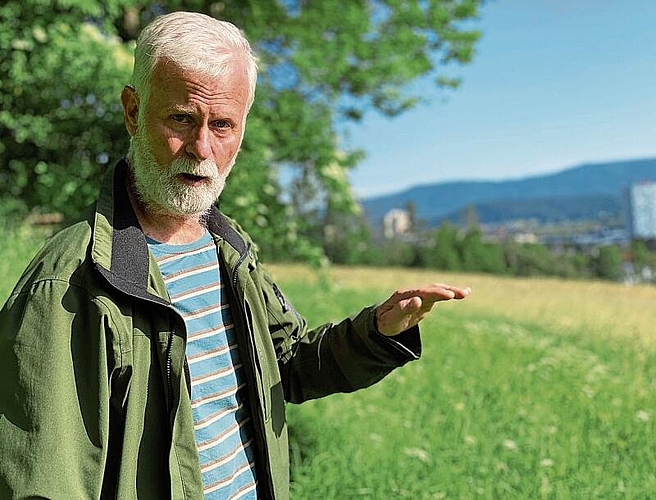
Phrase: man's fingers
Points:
(459, 293)
(433, 293)
(405, 308)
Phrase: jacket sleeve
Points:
(341, 357)
(54, 394)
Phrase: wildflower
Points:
(418, 453)
(509, 445)
(643, 415)
(376, 438)
(500, 466)
(588, 391)
(546, 462)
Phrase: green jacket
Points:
(94, 401)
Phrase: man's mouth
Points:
(192, 179)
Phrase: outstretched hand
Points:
(405, 308)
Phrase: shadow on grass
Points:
(303, 441)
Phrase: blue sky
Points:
(554, 84)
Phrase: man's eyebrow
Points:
(182, 108)
(190, 109)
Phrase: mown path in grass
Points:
(525, 392)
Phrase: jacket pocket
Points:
(285, 324)
(258, 357)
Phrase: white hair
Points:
(194, 42)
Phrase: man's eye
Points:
(223, 124)
(181, 118)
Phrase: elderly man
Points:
(145, 353)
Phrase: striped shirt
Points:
(222, 420)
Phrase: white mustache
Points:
(205, 168)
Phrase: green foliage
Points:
(66, 61)
(529, 259)
(608, 263)
(61, 120)
(478, 256)
(641, 257)
(450, 248)
(445, 255)
(345, 238)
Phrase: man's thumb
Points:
(412, 304)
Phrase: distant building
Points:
(641, 220)
(396, 222)
(526, 237)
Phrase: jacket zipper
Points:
(258, 420)
(245, 312)
(169, 372)
(239, 262)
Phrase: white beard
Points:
(159, 189)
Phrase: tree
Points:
(64, 62)
(444, 253)
(346, 238)
(609, 263)
(531, 259)
(61, 120)
(469, 218)
(479, 256)
(640, 254)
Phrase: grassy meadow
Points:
(529, 389)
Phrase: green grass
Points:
(17, 247)
(495, 409)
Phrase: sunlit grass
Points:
(567, 306)
(17, 247)
(520, 394)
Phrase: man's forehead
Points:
(178, 84)
(234, 67)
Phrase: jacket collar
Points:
(119, 249)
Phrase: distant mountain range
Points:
(586, 192)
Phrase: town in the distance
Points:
(578, 210)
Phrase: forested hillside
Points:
(584, 192)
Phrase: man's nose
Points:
(198, 145)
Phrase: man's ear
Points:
(130, 101)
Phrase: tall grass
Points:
(597, 308)
(529, 389)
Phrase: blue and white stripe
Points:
(222, 419)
